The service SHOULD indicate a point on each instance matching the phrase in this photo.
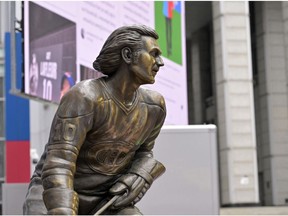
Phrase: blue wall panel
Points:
(17, 108)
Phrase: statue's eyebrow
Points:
(156, 50)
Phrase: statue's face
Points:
(149, 61)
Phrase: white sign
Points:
(62, 39)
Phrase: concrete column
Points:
(200, 68)
(200, 74)
(272, 105)
(275, 21)
(235, 105)
(196, 82)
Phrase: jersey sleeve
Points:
(148, 145)
(72, 121)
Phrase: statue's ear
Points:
(126, 55)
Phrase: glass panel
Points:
(1, 87)
(1, 52)
(1, 62)
(1, 69)
(1, 119)
(2, 171)
(1, 197)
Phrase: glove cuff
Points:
(148, 168)
(143, 173)
(61, 201)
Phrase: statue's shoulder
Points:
(152, 97)
(88, 89)
(81, 98)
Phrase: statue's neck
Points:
(122, 86)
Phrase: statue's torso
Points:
(117, 133)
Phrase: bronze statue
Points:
(103, 133)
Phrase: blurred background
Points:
(227, 66)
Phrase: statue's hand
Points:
(133, 185)
(131, 188)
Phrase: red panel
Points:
(17, 161)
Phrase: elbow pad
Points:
(61, 201)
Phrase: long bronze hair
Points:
(109, 59)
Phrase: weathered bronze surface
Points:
(103, 133)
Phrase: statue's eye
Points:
(155, 53)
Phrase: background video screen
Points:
(62, 39)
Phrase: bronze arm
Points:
(67, 135)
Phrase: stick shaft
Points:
(108, 204)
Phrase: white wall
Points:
(41, 116)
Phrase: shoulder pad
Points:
(153, 98)
(79, 100)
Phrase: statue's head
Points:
(109, 59)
